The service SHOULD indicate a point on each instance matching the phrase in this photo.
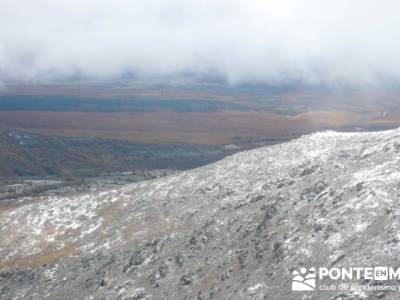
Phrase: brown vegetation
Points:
(191, 128)
(37, 260)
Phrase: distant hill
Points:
(27, 154)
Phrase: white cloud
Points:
(246, 40)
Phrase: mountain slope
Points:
(233, 229)
(27, 154)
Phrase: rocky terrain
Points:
(20, 190)
(235, 229)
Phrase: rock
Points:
(234, 229)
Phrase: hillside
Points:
(235, 229)
(29, 154)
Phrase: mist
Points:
(267, 41)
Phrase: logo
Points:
(342, 279)
(305, 280)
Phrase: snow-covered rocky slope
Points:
(231, 230)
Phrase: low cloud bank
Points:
(271, 41)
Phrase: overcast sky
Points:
(243, 41)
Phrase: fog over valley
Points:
(263, 41)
